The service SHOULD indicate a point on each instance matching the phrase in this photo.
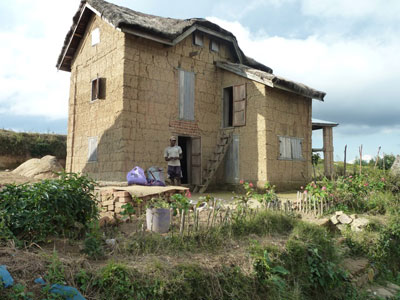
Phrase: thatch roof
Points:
(272, 80)
(167, 30)
(171, 31)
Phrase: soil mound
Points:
(42, 168)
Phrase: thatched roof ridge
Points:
(272, 80)
(165, 28)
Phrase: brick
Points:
(122, 194)
(107, 203)
(124, 200)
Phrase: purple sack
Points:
(136, 176)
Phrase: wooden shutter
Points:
(196, 160)
(296, 148)
(285, 148)
(186, 95)
(239, 105)
(92, 149)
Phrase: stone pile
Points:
(342, 221)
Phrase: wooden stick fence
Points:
(304, 204)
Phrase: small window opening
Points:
(95, 89)
(214, 46)
(95, 36)
(198, 39)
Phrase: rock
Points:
(353, 216)
(382, 292)
(39, 168)
(111, 242)
(359, 224)
(7, 170)
(395, 169)
(341, 227)
(323, 222)
(338, 213)
(393, 287)
(344, 219)
(334, 220)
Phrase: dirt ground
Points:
(9, 177)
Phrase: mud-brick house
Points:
(137, 79)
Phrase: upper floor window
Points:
(98, 89)
(95, 36)
(198, 39)
(234, 106)
(186, 95)
(214, 46)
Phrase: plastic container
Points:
(158, 219)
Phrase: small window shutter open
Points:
(92, 149)
(239, 105)
(285, 148)
(296, 148)
(186, 95)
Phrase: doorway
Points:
(191, 159)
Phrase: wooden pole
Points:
(344, 161)
(360, 150)
(377, 157)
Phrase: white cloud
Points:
(377, 9)
(330, 63)
(29, 81)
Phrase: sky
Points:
(348, 49)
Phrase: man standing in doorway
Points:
(173, 155)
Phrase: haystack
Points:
(42, 168)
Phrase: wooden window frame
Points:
(292, 143)
(92, 153)
(198, 39)
(186, 107)
(214, 42)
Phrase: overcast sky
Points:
(349, 49)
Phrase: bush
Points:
(52, 207)
(32, 144)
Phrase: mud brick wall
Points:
(111, 202)
(99, 118)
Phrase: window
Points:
(97, 89)
(198, 39)
(92, 149)
(290, 148)
(214, 46)
(95, 36)
(186, 95)
(234, 106)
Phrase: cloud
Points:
(29, 81)
(376, 9)
(359, 75)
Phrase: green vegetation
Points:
(281, 257)
(32, 144)
(60, 207)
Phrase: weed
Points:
(93, 244)
(52, 207)
(55, 270)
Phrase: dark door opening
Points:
(185, 143)
(191, 159)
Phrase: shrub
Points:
(51, 207)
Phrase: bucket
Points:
(158, 219)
